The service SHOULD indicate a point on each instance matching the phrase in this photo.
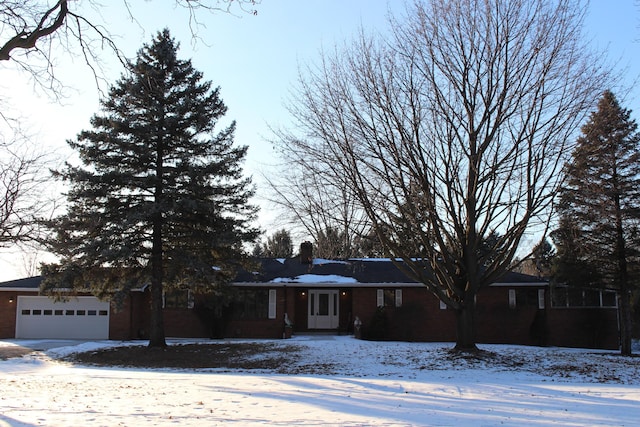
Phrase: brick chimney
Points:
(306, 253)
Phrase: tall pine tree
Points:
(597, 237)
(160, 198)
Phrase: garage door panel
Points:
(78, 318)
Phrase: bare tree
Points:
(454, 128)
(314, 207)
(32, 32)
(24, 199)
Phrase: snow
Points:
(315, 279)
(322, 261)
(357, 383)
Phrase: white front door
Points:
(323, 309)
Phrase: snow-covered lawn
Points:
(358, 383)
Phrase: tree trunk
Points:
(624, 307)
(156, 333)
(624, 295)
(466, 328)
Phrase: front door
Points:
(323, 309)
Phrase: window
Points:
(389, 297)
(563, 296)
(177, 298)
(526, 297)
(253, 304)
(26, 312)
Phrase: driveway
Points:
(17, 348)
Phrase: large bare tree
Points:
(453, 128)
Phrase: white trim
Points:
(36, 290)
(379, 297)
(272, 303)
(541, 299)
(191, 301)
(512, 298)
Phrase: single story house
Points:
(367, 297)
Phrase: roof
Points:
(27, 284)
(321, 272)
(348, 272)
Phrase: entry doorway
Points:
(324, 309)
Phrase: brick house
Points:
(304, 295)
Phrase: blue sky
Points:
(255, 59)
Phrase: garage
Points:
(82, 317)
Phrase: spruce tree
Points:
(160, 197)
(279, 245)
(600, 208)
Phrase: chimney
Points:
(306, 253)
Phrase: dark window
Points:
(69, 312)
(58, 312)
(26, 312)
(559, 297)
(577, 297)
(608, 299)
(80, 313)
(91, 313)
(250, 304)
(176, 298)
(36, 312)
(48, 312)
(102, 313)
(389, 298)
(592, 298)
(526, 298)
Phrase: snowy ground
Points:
(358, 383)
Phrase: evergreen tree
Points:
(600, 208)
(543, 256)
(160, 198)
(331, 243)
(279, 245)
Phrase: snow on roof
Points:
(322, 261)
(315, 278)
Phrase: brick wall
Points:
(584, 327)
(8, 304)
(421, 319)
(131, 320)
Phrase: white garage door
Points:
(77, 318)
